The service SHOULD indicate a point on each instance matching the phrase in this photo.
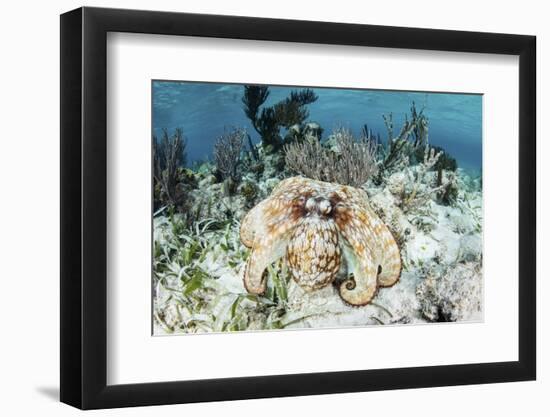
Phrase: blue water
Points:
(203, 110)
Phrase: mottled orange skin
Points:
(317, 226)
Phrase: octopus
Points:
(321, 230)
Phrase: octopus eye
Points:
(379, 269)
(325, 207)
(310, 204)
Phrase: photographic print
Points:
(299, 207)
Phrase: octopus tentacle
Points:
(263, 254)
(267, 229)
(391, 260)
(360, 287)
(360, 225)
(252, 218)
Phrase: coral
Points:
(254, 97)
(253, 151)
(420, 129)
(415, 189)
(292, 110)
(274, 165)
(449, 193)
(445, 166)
(227, 155)
(453, 295)
(355, 161)
(396, 155)
(312, 131)
(309, 132)
(268, 121)
(309, 159)
(317, 227)
(416, 196)
(400, 148)
(384, 205)
(168, 157)
(249, 190)
(446, 163)
(352, 162)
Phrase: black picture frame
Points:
(84, 207)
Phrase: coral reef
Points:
(348, 162)
(240, 245)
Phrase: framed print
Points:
(256, 208)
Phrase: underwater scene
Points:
(294, 207)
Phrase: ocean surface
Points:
(203, 110)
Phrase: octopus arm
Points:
(390, 266)
(263, 254)
(374, 252)
(266, 229)
(250, 222)
(360, 287)
(387, 255)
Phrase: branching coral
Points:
(414, 189)
(355, 161)
(293, 110)
(309, 159)
(416, 196)
(268, 121)
(400, 148)
(420, 130)
(227, 155)
(168, 156)
(446, 163)
(352, 163)
(253, 98)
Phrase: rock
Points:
(460, 222)
(471, 247)
(270, 184)
(312, 131)
(206, 181)
(249, 190)
(274, 165)
(421, 249)
(455, 295)
(396, 184)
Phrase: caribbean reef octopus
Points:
(321, 229)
